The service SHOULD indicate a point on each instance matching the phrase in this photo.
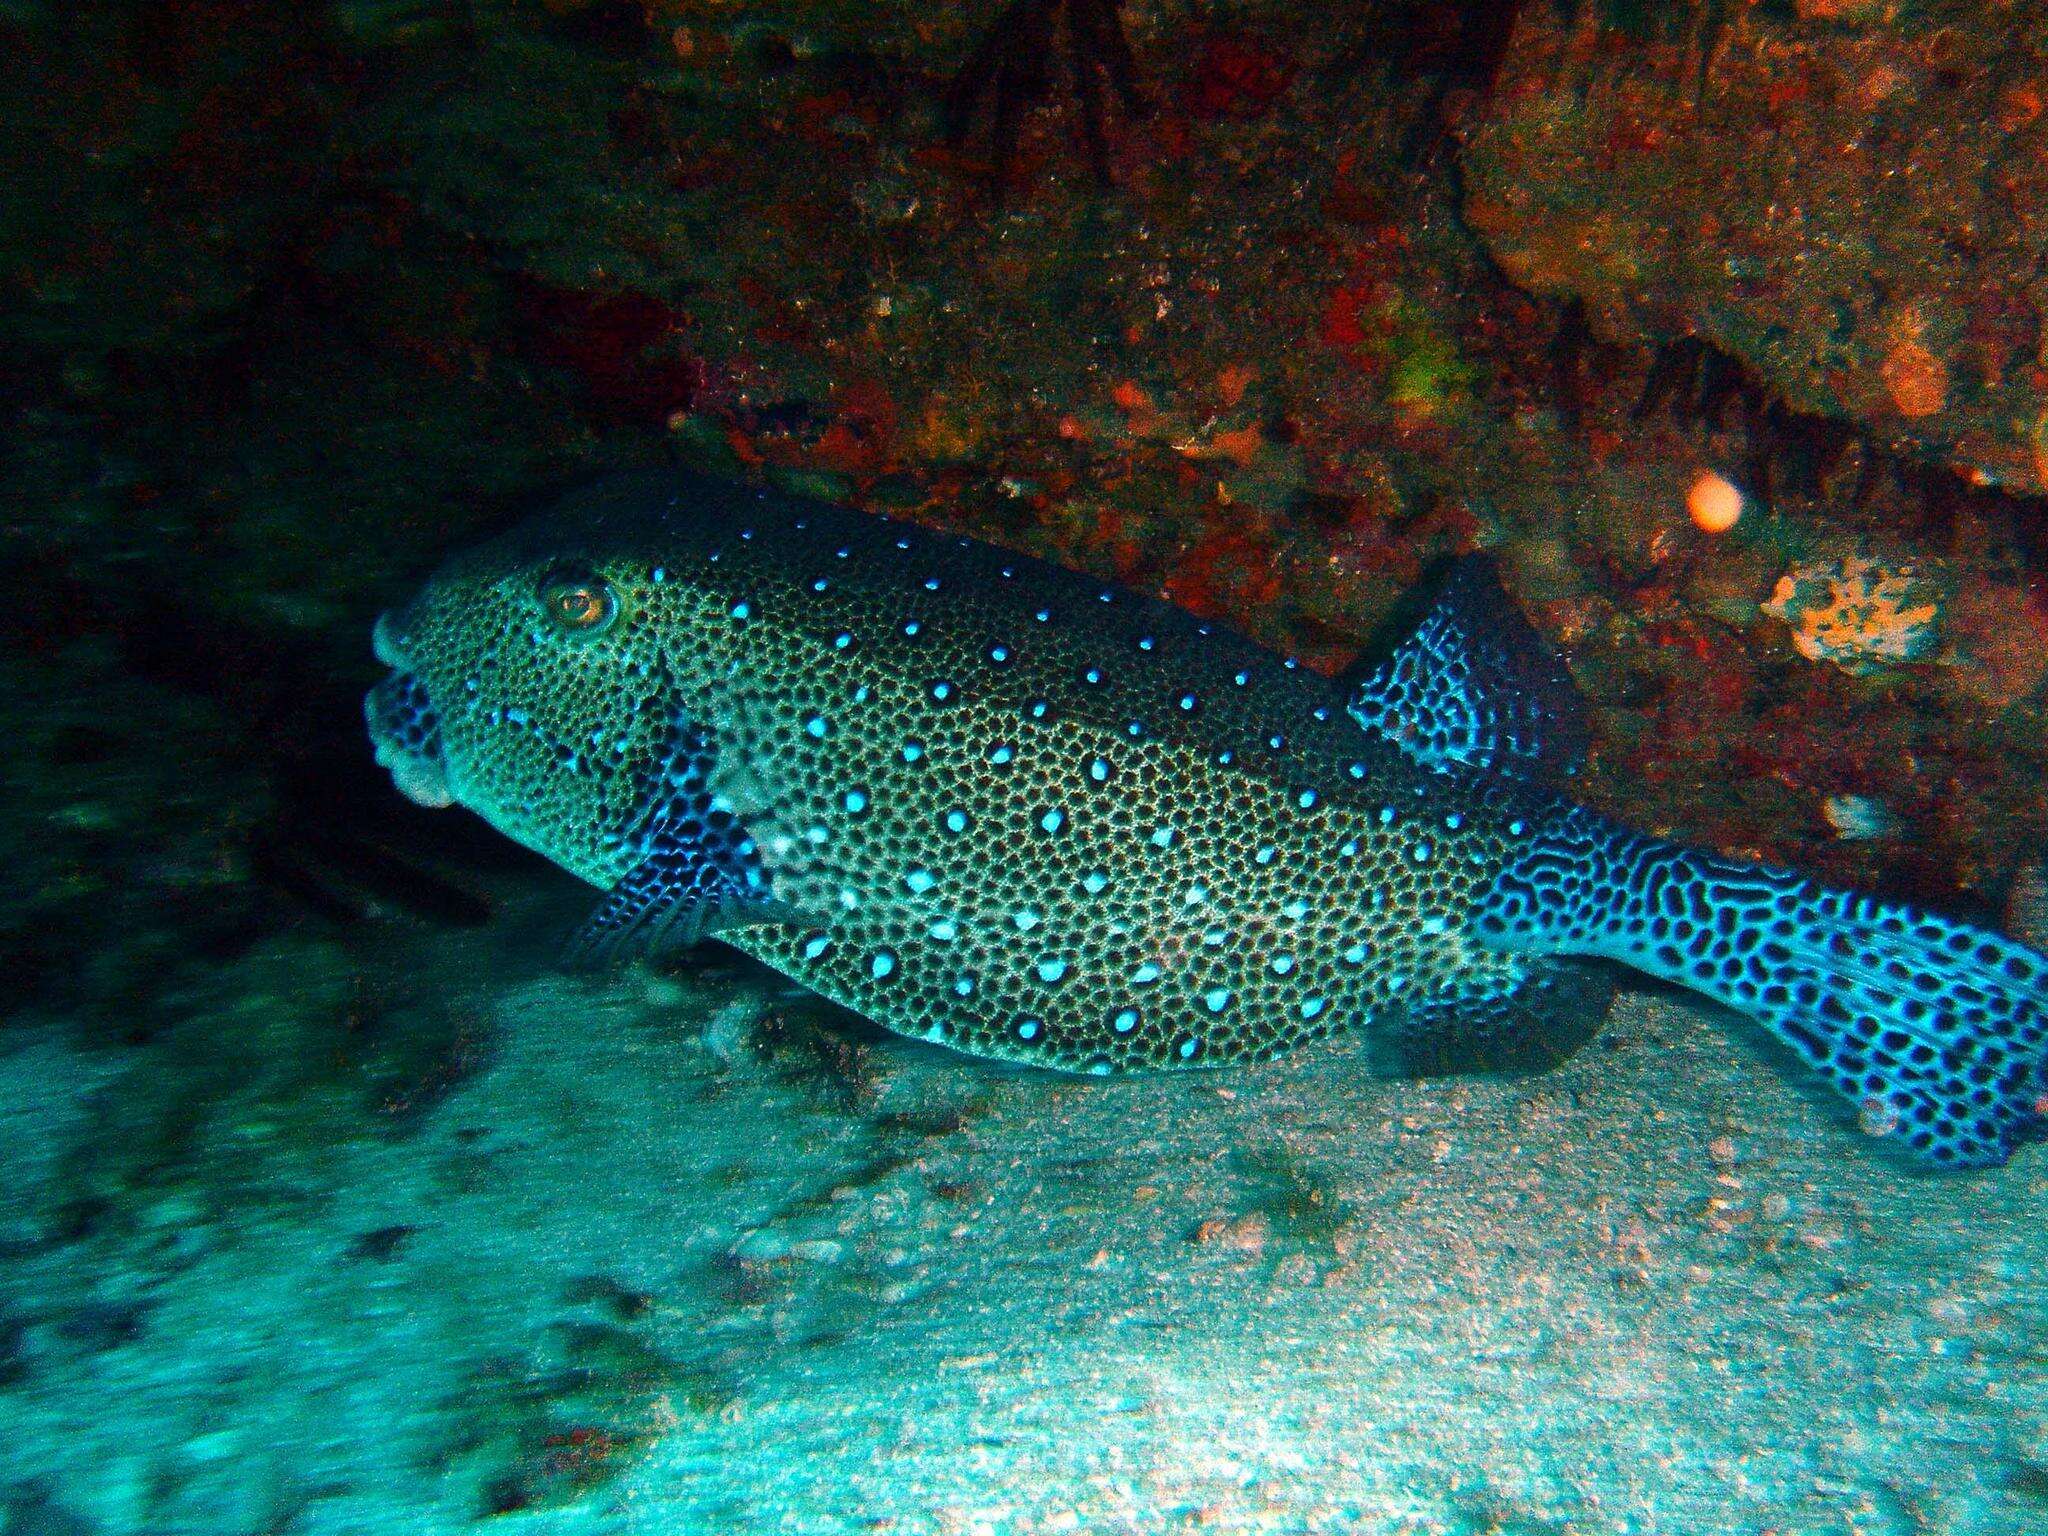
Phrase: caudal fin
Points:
(1936, 1031)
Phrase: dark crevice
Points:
(1010, 74)
(331, 841)
(1793, 452)
(1580, 364)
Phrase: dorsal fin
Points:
(1475, 685)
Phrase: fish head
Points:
(529, 683)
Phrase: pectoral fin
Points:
(697, 871)
(685, 889)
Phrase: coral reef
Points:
(1847, 198)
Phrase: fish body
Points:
(993, 804)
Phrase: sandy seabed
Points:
(654, 1265)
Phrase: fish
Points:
(997, 805)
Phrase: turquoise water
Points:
(331, 1203)
(671, 1254)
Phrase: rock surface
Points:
(1852, 199)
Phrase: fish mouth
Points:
(405, 728)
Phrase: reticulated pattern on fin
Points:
(1936, 1031)
(1557, 1007)
(1475, 685)
(695, 868)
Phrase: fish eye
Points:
(579, 601)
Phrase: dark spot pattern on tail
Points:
(1936, 1031)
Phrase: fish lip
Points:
(420, 771)
(423, 781)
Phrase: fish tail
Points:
(1937, 1032)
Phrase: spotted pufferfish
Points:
(999, 806)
